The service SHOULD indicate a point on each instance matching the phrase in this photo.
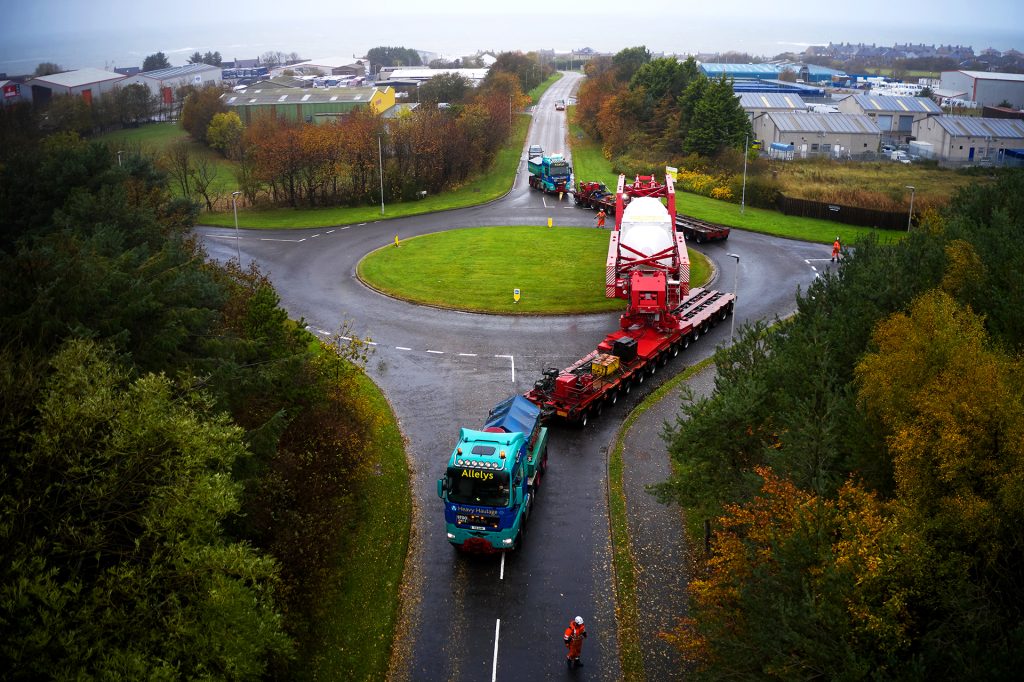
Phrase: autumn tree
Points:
(199, 109)
(447, 87)
(225, 133)
(393, 56)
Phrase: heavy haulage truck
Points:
(493, 476)
(551, 174)
(648, 266)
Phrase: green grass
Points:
(589, 164)
(537, 92)
(624, 567)
(488, 186)
(155, 138)
(361, 614)
(558, 270)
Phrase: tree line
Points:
(181, 461)
(862, 466)
(648, 111)
(428, 149)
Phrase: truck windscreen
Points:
(478, 486)
(559, 170)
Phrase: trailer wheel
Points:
(696, 333)
(640, 376)
(627, 387)
(582, 420)
(686, 342)
(675, 350)
(613, 398)
(598, 410)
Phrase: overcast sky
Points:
(77, 33)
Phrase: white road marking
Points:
(361, 224)
(223, 236)
(330, 231)
(814, 268)
(346, 227)
(371, 343)
(402, 348)
(268, 239)
(345, 338)
(501, 575)
(513, 365)
(468, 355)
(494, 669)
(436, 352)
(544, 201)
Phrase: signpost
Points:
(516, 295)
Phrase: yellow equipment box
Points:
(604, 365)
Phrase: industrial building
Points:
(991, 89)
(810, 134)
(972, 140)
(894, 116)
(416, 75)
(88, 83)
(808, 73)
(310, 106)
(164, 82)
(757, 103)
(328, 66)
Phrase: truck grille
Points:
(477, 521)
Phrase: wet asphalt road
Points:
(488, 618)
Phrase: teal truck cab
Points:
(493, 476)
(551, 174)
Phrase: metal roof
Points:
(769, 100)
(74, 79)
(806, 122)
(985, 75)
(419, 74)
(178, 71)
(259, 95)
(973, 126)
(770, 70)
(897, 104)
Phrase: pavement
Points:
(660, 552)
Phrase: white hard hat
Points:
(578, 620)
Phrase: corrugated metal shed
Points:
(824, 123)
(260, 95)
(715, 70)
(768, 100)
(899, 105)
(179, 71)
(972, 126)
(79, 77)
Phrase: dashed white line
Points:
(402, 348)
(330, 231)
(361, 224)
(270, 239)
(315, 235)
(501, 575)
(436, 352)
(513, 365)
(371, 343)
(345, 338)
(467, 355)
(494, 669)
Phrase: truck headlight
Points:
(507, 541)
(451, 536)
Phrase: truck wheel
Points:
(582, 420)
(613, 398)
(685, 342)
(696, 333)
(599, 410)
(675, 350)
(640, 376)
(627, 387)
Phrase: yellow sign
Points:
(396, 241)
(549, 222)
(483, 475)
(516, 295)
(671, 171)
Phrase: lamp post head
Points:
(733, 255)
(910, 187)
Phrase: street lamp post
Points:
(119, 152)
(380, 160)
(746, 152)
(735, 288)
(910, 216)
(234, 205)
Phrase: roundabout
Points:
(466, 618)
(557, 270)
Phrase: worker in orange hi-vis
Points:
(600, 218)
(574, 636)
(835, 250)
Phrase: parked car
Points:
(535, 150)
(900, 155)
(888, 149)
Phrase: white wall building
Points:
(837, 135)
(87, 83)
(987, 89)
(164, 82)
(970, 139)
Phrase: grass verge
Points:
(538, 92)
(590, 164)
(624, 568)
(360, 614)
(477, 269)
(486, 187)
